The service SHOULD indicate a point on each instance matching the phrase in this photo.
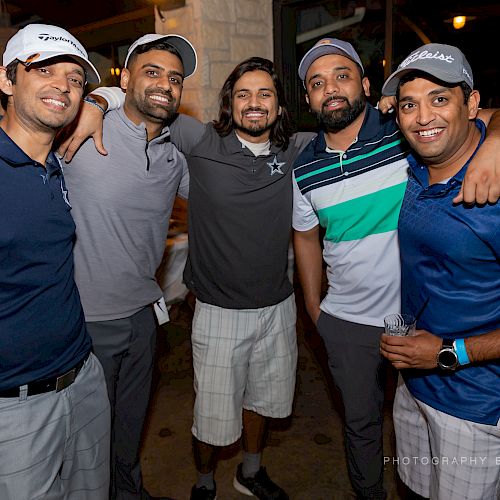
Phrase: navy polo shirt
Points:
(451, 255)
(42, 330)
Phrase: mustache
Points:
(334, 98)
(255, 108)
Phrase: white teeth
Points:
(158, 98)
(429, 133)
(57, 103)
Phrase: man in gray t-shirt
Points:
(121, 206)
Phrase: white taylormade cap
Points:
(39, 42)
(182, 45)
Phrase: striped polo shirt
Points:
(356, 195)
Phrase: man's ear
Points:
(366, 85)
(473, 104)
(124, 79)
(5, 83)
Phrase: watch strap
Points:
(449, 343)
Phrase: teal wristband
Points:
(463, 358)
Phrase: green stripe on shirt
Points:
(355, 219)
(351, 160)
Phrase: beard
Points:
(255, 129)
(336, 120)
(155, 110)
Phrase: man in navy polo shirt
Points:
(54, 423)
(447, 410)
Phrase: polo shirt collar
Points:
(369, 129)
(140, 130)
(234, 145)
(14, 156)
(421, 173)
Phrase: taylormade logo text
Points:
(425, 54)
(46, 37)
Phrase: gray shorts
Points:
(243, 358)
(444, 457)
(56, 445)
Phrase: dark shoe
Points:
(203, 493)
(259, 486)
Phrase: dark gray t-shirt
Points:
(240, 217)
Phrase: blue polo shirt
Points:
(451, 255)
(42, 330)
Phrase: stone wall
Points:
(224, 32)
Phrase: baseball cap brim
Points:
(322, 50)
(91, 73)
(390, 86)
(182, 45)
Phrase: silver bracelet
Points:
(90, 100)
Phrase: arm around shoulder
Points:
(186, 132)
(482, 180)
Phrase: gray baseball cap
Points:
(324, 47)
(444, 62)
(182, 45)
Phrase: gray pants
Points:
(125, 347)
(55, 445)
(356, 366)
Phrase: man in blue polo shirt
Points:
(54, 424)
(447, 410)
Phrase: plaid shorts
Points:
(242, 358)
(444, 457)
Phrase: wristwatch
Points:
(447, 358)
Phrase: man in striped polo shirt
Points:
(350, 180)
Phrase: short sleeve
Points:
(304, 216)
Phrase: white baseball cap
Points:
(39, 42)
(182, 45)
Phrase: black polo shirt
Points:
(240, 217)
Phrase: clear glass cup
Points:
(399, 325)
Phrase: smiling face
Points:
(255, 106)
(153, 84)
(46, 96)
(336, 92)
(436, 121)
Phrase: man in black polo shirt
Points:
(244, 340)
(54, 423)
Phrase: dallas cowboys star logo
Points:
(275, 166)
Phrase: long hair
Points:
(282, 128)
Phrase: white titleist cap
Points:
(39, 42)
(183, 46)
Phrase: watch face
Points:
(447, 358)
